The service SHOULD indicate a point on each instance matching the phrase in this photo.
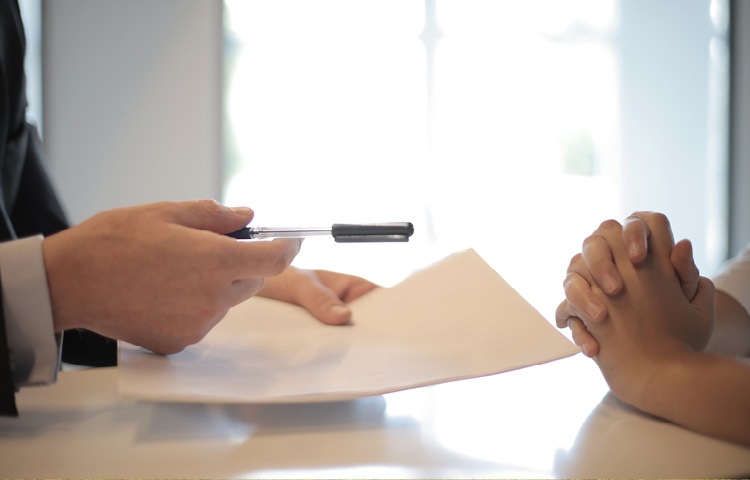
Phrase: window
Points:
(511, 127)
(31, 13)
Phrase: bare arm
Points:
(732, 329)
(707, 393)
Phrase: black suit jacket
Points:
(28, 205)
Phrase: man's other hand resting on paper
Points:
(647, 317)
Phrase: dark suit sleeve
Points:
(7, 389)
(36, 209)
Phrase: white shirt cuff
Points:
(734, 278)
(33, 345)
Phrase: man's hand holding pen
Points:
(159, 276)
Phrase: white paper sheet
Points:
(454, 320)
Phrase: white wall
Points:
(132, 101)
(669, 162)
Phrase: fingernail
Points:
(609, 283)
(244, 211)
(585, 349)
(338, 310)
(593, 310)
(634, 250)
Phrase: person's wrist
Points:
(638, 378)
(52, 263)
(652, 390)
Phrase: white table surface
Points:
(554, 420)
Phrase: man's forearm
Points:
(732, 328)
(706, 393)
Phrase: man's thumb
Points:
(211, 215)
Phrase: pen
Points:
(341, 232)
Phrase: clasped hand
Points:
(635, 300)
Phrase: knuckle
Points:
(210, 205)
(637, 217)
(160, 206)
(610, 225)
(632, 235)
(643, 214)
(282, 260)
(561, 314)
(570, 286)
(149, 211)
(574, 262)
(591, 240)
(279, 264)
(659, 219)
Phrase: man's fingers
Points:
(583, 338)
(684, 265)
(258, 259)
(597, 256)
(578, 293)
(635, 232)
(347, 287)
(208, 215)
(321, 301)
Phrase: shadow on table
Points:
(619, 441)
(32, 424)
(169, 421)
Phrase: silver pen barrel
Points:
(293, 232)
